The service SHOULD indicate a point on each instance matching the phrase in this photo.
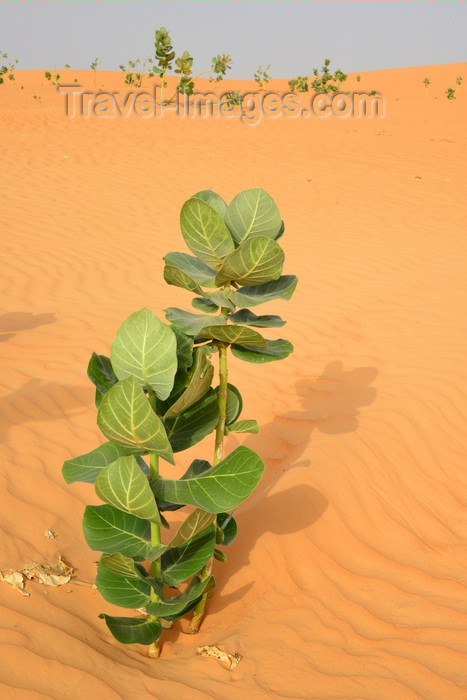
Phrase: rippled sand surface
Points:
(348, 578)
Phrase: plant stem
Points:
(222, 404)
(154, 649)
(198, 612)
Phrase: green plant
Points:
(232, 99)
(459, 80)
(359, 77)
(155, 397)
(262, 76)
(165, 55)
(6, 71)
(53, 78)
(134, 75)
(300, 84)
(93, 67)
(67, 65)
(426, 82)
(326, 82)
(451, 93)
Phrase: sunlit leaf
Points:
(108, 529)
(213, 199)
(88, 467)
(205, 232)
(220, 489)
(123, 485)
(146, 348)
(195, 523)
(173, 275)
(256, 261)
(127, 419)
(253, 213)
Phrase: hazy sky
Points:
(292, 35)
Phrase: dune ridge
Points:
(348, 577)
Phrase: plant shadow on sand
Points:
(331, 404)
(22, 321)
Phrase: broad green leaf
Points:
(133, 630)
(276, 350)
(226, 529)
(123, 485)
(283, 288)
(101, 373)
(256, 261)
(126, 593)
(250, 319)
(196, 269)
(240, 335)
(244, 426)
(88, 467)
(205, 305)
(127, 419)
(223, 488)
(191, 426)
(120, 565)
(195, 523)
(213, 199)
(145, 348)
(221, 299)
(253, 213)
(190, 323)
(107, 529)
(176, 605)
(179, 563)
(201, 376)
(173, 275)
(205, 232)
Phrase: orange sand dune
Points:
(348, 578)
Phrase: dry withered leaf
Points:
(15, 579)
(50, 535)
(231, 660)
(48, 574)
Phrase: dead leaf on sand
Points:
(15, 579)
(231, 660)
(48, 574)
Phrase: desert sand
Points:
(348, 577)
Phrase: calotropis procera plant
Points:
(155, 397)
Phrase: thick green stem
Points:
(198, 612)
(222, 404)
(154, 648)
